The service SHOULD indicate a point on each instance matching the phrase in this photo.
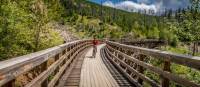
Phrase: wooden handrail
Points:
(150, 43)
(63, 55)
(190, 61)
(127, 57)
(141, 41)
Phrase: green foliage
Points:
(183, 71)
(129, 24)
(24, 29)
(181, 27)
(179, 49)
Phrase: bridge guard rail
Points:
(42, 68)
(132, 61)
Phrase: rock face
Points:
(64, 32)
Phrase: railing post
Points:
(44, 67)
(140, 69)
(166, 67)
(57, 57)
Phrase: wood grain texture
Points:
(115, 49)
(71, 77)
(190, 61)
(10, 69)
(94, 73)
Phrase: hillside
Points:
(175, 27)
(130, 24)
(28, 26)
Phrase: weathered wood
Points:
(166, 81)
(45, 82)
(163, 73)
(58, 75)
(121, 69)
(149, 43)
(154, 84)
(10, 69)
(10, 84)
(74, 76)
(94, 72)
(140, 69)
(37, 81)
(190, 61)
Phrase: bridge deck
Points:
(94, 73)
(88, 72)
(115, 65)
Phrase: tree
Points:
(24, 30)
(189, 28)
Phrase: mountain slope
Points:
(134, 24)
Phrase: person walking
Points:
(95, 42)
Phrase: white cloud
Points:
(132, 6)
(143, 1)
(109, 4)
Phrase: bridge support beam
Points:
(44, 67)
(140, 68)
(166, 81)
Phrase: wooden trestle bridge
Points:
(115, 65)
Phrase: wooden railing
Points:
(150, 43)
(42, 68)
(133, 62)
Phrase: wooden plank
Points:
(45, 82)
(12, 68)
(74, 77)
(154, 84)
(94, 73)
(64, 77)
(190, 61)
(107, 73)
(140, 69)
(110, 80)
(87, 76)
(90, 73)
(166, 81)
(10, 84)
(52, 83)
(122, 70)
(102, 70)
(165, 74)
(38, 80)
(45, 74)
(121, 80)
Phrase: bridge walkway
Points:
(94, 73)
(115, 65)
(89, 72)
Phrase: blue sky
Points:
(140, 5)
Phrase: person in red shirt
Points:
(95, 43)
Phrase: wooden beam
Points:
(140, 68)
(12, 68)
(172, 77)
(166, 67)
(190, 61)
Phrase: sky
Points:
(156, 6)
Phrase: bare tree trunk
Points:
(37, 37)
(194, 49)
